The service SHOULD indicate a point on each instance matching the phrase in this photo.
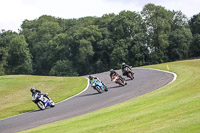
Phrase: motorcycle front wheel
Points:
(98, 88)
(41, 105)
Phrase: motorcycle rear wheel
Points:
(105, 88)
(120, 82)
(131, 76)
(52, 103)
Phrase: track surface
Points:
(146, 80)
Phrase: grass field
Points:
(174, 108)
(15, 95)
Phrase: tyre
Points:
(130, 76)
(105, 88)
(98, 88)
(121, 83)
(52, 103)
(41, 105)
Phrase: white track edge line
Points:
(56, 103)
(174, 74)
(76, 94)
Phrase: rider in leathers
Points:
(124, 66)
(34, 91)
(113, 73)
(92, 78)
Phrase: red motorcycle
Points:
(129, 73)
(119, 80)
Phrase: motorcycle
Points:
(129, 73)
(42, 102)
(98, 86)
(119, 81)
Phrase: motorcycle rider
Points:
(124, 68)
(92, 78)
(113, 73)
(34, 91)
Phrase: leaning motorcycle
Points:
(118, 80)
(98, 86)
(42, 102)
(129, 73)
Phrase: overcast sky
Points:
(14, 12)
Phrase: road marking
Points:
(174, 74)
(56, 103)
(76, 94)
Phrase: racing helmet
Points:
(111, 70)
(90, 77)
(32, 89)
(123, 64)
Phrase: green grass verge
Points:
(173, 108)
(15, 95)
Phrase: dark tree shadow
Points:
(115, 87)
(128, 79)
(35, 111)
(89, 94)
(25, 111)
(38, 110)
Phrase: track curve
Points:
(146, 80)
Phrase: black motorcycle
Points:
(128, 72)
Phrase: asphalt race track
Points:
(146, 80)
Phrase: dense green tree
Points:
(63, 68)
(195, 28)
(85, 56)
(126, 25)
(83, 43)
(3, 60)
(85, 50)
(102, 55)
(195, 24)
(19, 57)
(158, 21)
(69, 47)
(195, 46)
(5, 40)
(104, 47)
(66, 24)
(180, 38)
(129, 35)
(59, 48)
(119, 53)
(38, 33)
(104, 21)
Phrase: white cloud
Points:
(188, 7)
(14, 12)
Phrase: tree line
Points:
(72, 47)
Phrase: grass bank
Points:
(15, 95)
(174, 108)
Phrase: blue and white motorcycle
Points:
(97, 85)
(42, 102)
